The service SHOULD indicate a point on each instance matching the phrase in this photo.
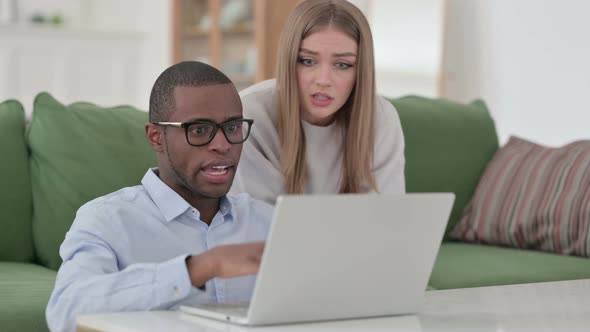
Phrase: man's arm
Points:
(90, 281)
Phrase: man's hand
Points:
(227, 261)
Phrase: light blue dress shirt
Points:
(126, 252)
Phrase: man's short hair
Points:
(188, 73)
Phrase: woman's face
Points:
(326, 74)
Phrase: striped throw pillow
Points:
(533, 197)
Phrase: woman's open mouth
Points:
(321, 99)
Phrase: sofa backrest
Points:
(80, 152)
(16, 241)
(448, 145)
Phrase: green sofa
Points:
(68, 155)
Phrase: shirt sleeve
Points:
(89, 280)
(389, 162)
(258, 172)
(257, 176)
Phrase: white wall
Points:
(154, 20)
(150, 20)
(528, 59)
(71, 64)
(407, 37)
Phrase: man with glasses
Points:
(177, 238)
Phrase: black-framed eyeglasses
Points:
(202, 132)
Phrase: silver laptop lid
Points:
(346, 256)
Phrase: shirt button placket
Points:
(217, 290)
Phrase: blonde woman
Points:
(320, 127)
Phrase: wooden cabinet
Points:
(239, 37)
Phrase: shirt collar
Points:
(169, 202)
(226, 207)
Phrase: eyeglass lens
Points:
(201, 133)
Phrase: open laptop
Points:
(347, 256)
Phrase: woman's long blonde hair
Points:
(357, 115)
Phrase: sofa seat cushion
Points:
(462, 265)
(24, 293)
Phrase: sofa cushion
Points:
(80, 152)
(448, 145)
(16, 240)
(462, 265)
(534, 197)
(24, 293)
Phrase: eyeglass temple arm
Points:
(175, 124)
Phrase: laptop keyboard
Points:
(229, 309)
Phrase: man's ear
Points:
(155, 136)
